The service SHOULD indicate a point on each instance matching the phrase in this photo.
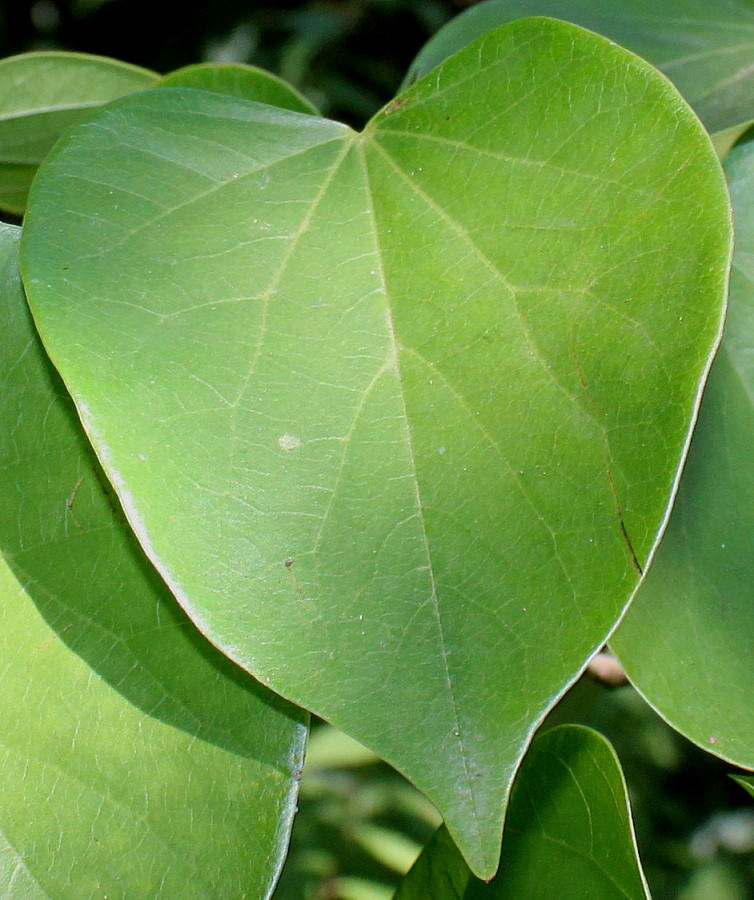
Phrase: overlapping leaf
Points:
(240, 81)
(397, 415)
(707, 50)
(42, 94)
(686, 642)
(568, 833)
(135, 760)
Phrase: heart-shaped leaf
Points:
(686, 642)
(42, 94)
(152, 770)
(397, 414)
(568, 833)
(706, 50)
(240, 81)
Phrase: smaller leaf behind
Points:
(43, 94)
(686, 640)
(237, 80)
(568, 833)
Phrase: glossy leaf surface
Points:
(568, 833)
(397, 415)
(707, 50)
(136, 761)
(248, 82)
(42, 94)
(686, 642)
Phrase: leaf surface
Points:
(568, 832)
(706, 50)
(135, 760)
(240, 81)
(686, 642)
(397, 414)
(42, 94)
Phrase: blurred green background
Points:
(360, 825)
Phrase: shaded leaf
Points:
(686, 642)
(397, 415)
(240, 81)
(568, 833)
(707, 51)
(42, 94)
(136, 760)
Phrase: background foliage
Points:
(348, 56)
(360, 825)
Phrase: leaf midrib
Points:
(43, 110)
(458, 729)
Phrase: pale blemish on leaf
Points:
(289, 442)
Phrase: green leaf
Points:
(397, 414)
(746, 782)
(136, 760)
(706, 50)
(568, 833)
(42, 94)
(686, 642)
(248, 82)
